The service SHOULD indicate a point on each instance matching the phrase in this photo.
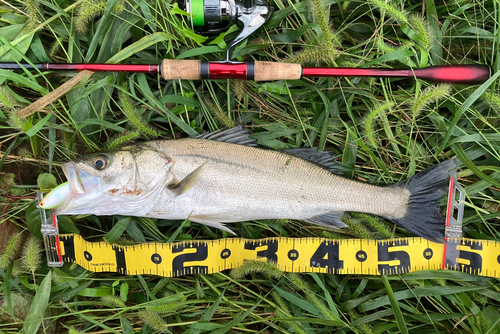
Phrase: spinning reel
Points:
(215, 16)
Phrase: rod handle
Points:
(180, 69)
(262, 70)
(457, 74)
(270, 71)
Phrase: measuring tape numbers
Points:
(301, 255)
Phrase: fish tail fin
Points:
(423, 215)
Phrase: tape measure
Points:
(301, 255)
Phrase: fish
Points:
(224, 177)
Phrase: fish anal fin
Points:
(330, 219)
(214, 220)
(188, 182)
(236, 135)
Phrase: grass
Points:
(383, 130)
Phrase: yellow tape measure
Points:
(344, 256)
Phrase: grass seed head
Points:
(33, 14)
(284, 312)
(10, 252)
(421, 27)
(122, 139)
(493, 100)
(113, 301)
(375, 223)
(431, 94)
(248, 267)
(363, 328)
(16, 122)
(392, 11)
(163, 308)
(134, 118)
(359, 230)
(7, 101)
(313, 55)
(32, 256)
(153, 320)
(330, 39)
(91, 10)
(383, 46)
(298, 281)
(218, 114)
(370, 120)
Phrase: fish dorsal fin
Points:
(330, 219)
(324, 158)
(236, 135)
(188, 182)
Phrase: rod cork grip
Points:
(180, 69)
(269, 71)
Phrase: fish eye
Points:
(100, 161)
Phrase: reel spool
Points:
(215, 16)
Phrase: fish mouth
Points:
(84, 188)
(72, 174)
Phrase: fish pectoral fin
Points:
(212, 221)
(188, 182)
(330, 219)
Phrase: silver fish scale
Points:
(244, 183)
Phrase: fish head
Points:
(114, 182)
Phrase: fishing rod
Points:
(267, 71)
(215, 16)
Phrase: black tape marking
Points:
(87, 256)
(361, 256)
(225, 254)
(385, 254)
(156, 258)
(69, 248)
(269, 253)
(452, 254)
(121, 263)
(178, 263)
(327, 256)
(293, 254)
(476, 261)
(428, 254)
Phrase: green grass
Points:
(384, 130)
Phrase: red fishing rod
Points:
(268, 71)
(215, 16)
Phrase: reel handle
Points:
(215, 16)
(252, 14)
